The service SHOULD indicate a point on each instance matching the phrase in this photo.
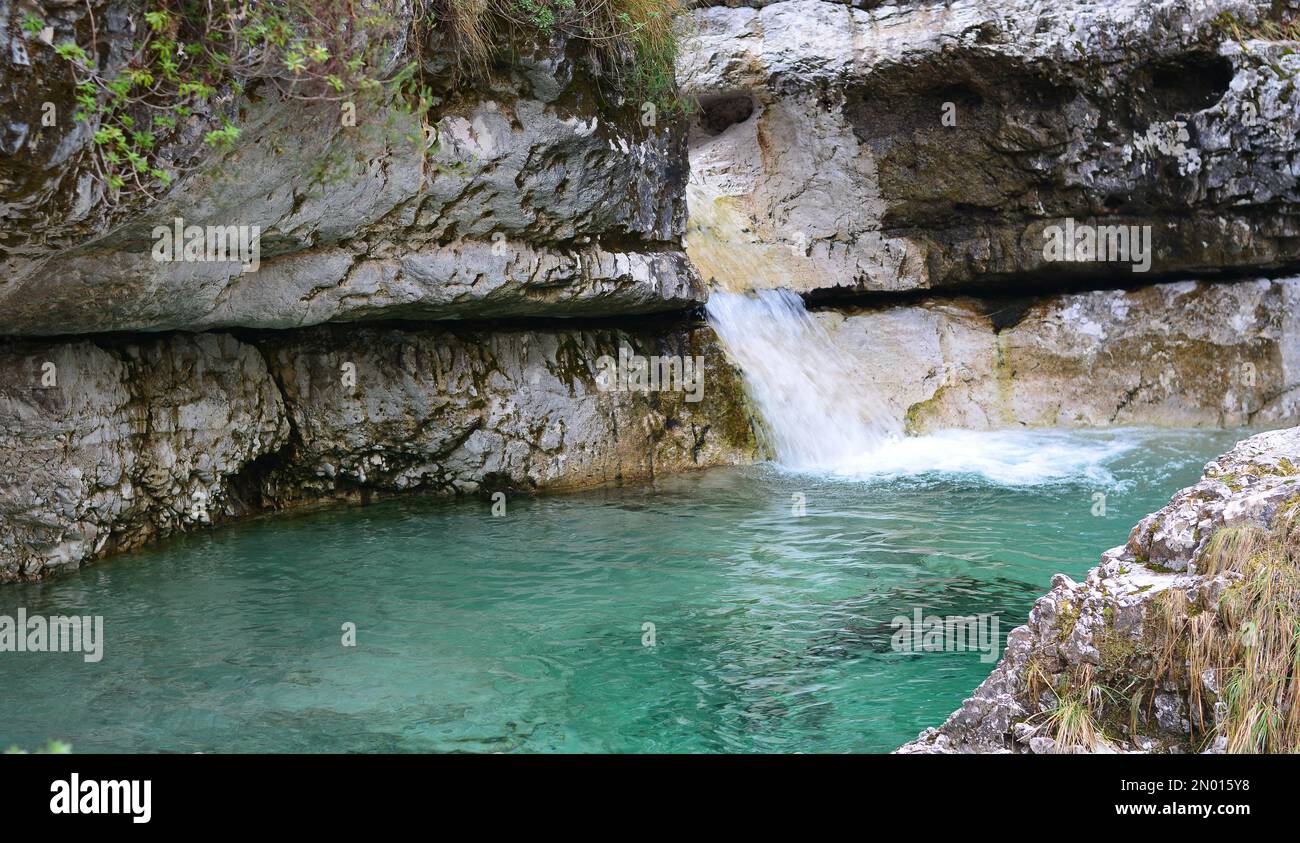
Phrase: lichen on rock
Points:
(883, 147)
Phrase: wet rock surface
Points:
(506, 410)
(106, 446)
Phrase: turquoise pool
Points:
(527, 632)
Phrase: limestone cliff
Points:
(902, 163)
(900, 146)
(521, 193)
(1183, 354)
(110, 442)
(436, 284)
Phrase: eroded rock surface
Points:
(527, 191)
(821, 158)
(509, 410)
(104, 447)
(538, 198)
(1106, 626)
(137, 439)
(1180, 354)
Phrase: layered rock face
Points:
(104, 447)
(508, 410)
(925, 145)
(836, 148)
(1135, 623)
(1183, 354)
(109, 443)
(536, 199)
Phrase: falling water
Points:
(820, 415)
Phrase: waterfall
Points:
(821, 414)
(818, 413)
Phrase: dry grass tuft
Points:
(469, 26)
(1072, 725)
(1073, 721)
(1251, 643)
(633, 42)
(1276, 28)
(1242, 654)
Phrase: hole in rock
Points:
(719, 113)
(1187, 83)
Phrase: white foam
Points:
(1004, 457)
(821, 417)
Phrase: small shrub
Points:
(187, 56)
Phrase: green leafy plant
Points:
(224, 137)
(32, 25)
(189, 57)
(190, 60)
(70, 51)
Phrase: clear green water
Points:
(524, 632)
